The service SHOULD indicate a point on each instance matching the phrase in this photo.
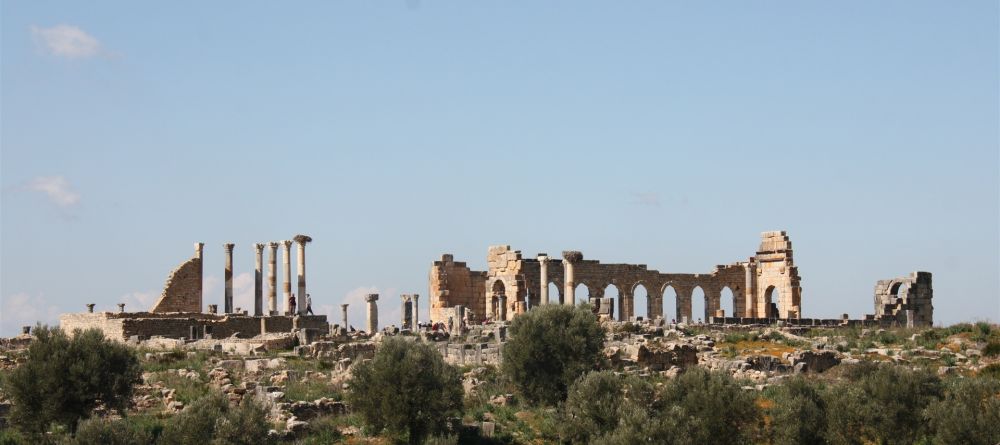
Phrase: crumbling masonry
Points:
(765, 286)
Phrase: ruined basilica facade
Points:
(765, 287)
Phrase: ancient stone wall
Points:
(124, 325)
(905, 301)
(453, 284)
(182, 291)
(776, 274)
(513, 284)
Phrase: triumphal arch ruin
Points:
(766, 286)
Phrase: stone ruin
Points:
(765, 288)
(179, 312)
(767, 285)
(905, 301)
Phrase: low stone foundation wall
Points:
(123, 326)
(476, 354)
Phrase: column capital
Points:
(286, 242)
(273, 245)
(229, 247)
(371, 298)
(259, 247)
(302, 239)
(416, 296)
(344, 306)
(543, 258)
(572, 256)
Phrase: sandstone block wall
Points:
(905, 301)
(182, 291)
(451, 284)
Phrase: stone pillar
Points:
(258, 280)
(301, 270)
(227, 303)
(199, 249)
(406, 312)
(343, 310)
(272, 279)
(371, 299)
(416, 311)
(286, 262)
(90, 308)
(502, 303)
(543, 272)
(569, 288)
(121, 307)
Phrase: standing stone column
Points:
(343, 310)
(272, 279)
(569, 288)
(543, 268)
(416, 311)
(199, 248)
(258, 281)
(372, 313)
(301, 270)
(228, 302)
(502, 302)
(286, 262)
(407, 312)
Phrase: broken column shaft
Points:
(569, 290)
(301, 270)
(371, 299)
(343, 309)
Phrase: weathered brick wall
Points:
(452, 283)
(182, 291)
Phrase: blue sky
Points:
(664, 133)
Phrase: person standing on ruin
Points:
(309, 304)
(291, 305)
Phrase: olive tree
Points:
(549, 348)
(406, 388)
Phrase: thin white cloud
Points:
(650, 199)
(24, 309)
(67, 41)
(57, 189)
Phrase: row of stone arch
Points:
(635, 301)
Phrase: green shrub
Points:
(968, 414)
(991, 371)
(212, 420)
(597, 402)
(64, 377)
(406, 388)
(799, 413)
(111, 432)
(883, 404)
(707, 407)
(992, 349)
(549, 348)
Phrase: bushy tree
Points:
(110, 432)
(707, 407)
(883, 404)
(549, 348)
(211, 419)
(406, 388)
(599, 401)
(799, 413)
(968, 414)
(64, 377)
